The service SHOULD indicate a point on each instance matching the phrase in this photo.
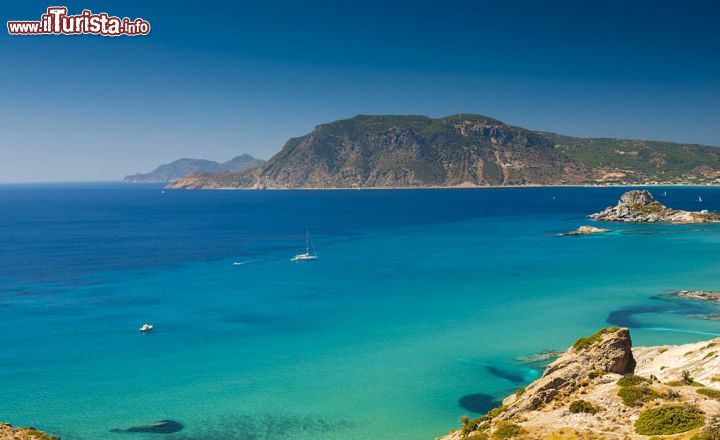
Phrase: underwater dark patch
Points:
(266, 427)
(478, 403)
(625, 317)
(516, 378)
(160, 427)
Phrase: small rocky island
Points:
(602, 388)
(641, 207)
(703, 295)
(586, 230)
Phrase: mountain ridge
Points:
(378, 151)
(186, 166)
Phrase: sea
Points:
(423, 305)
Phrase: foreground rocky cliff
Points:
(601, 388)
(460, 150)
(640, 206)
(8, 432)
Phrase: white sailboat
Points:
(307, 255)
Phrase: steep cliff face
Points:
(410, 151)
(606, 352)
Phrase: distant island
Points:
(460, 151)
(180, 168)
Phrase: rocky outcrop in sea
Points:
(704, 295)
(586, 230)
(641, 207)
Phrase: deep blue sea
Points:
(416, 312)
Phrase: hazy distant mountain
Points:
(461, 150)
(183, 167)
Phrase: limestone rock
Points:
(609, 351)
(703, 295)
(586, 230)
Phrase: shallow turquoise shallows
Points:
(415, 312)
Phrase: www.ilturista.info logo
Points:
(56, 22)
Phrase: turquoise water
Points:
(414, 314)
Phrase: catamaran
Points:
(306, 255)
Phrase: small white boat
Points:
(146, 328)
(704, 211)
(699, 199)
(665, 193)
(306, 255)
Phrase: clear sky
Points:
(216, 79)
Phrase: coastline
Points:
(461, 187)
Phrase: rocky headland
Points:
(640, 206)
(602, 388)
(8, 432)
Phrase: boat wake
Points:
(241, 263)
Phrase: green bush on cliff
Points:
(505, 430)
(493, 413)
(650, 208)
(582, 406)
(709, 392)
(636, 395)
(631, 379)
(596, 373)
(34, 434)
(583, 343)
(481, 423)
(667, 420)
(468, 426)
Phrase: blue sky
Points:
(216, 79)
